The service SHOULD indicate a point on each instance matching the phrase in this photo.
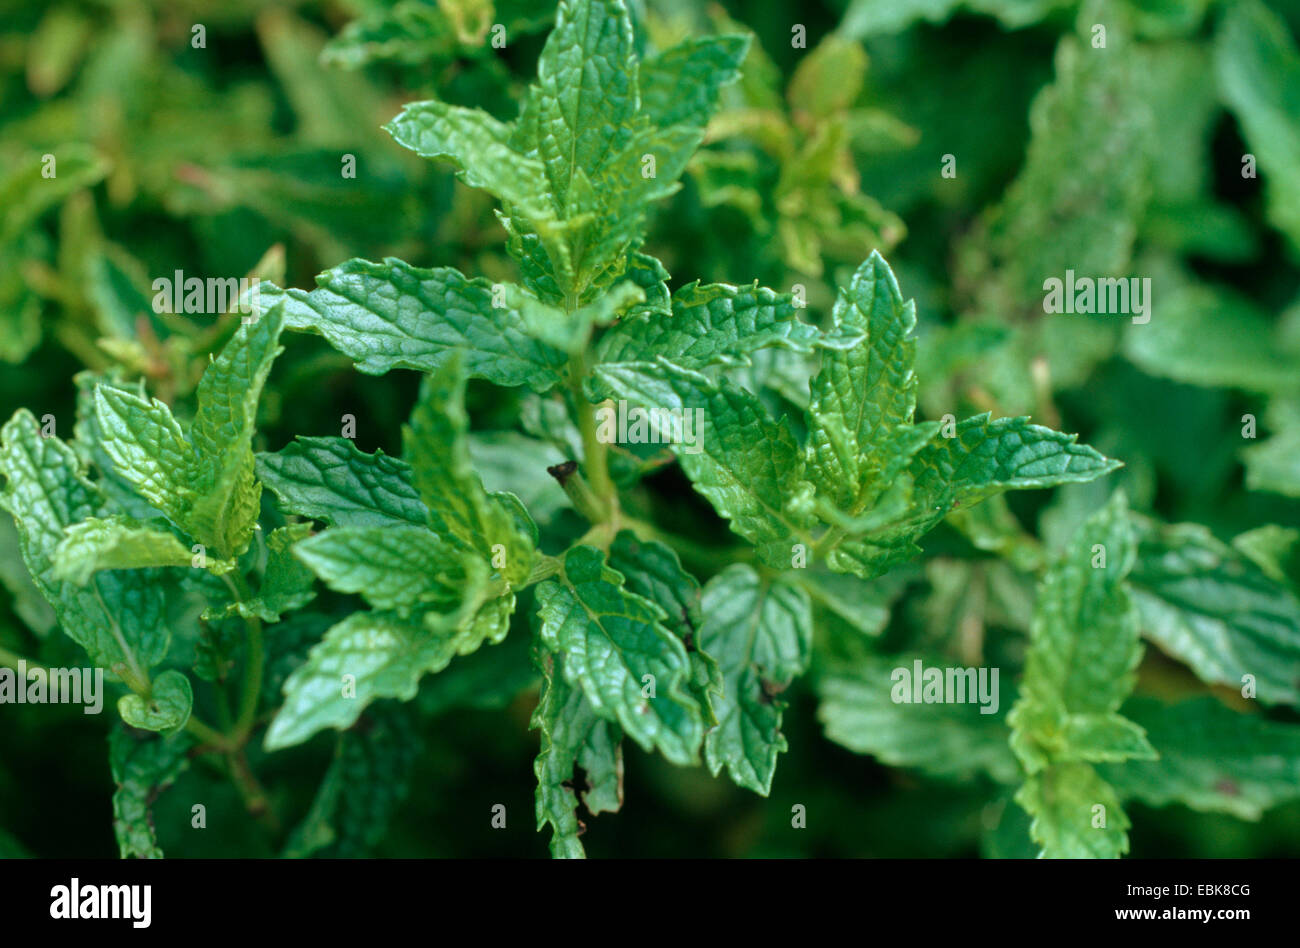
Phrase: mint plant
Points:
(243, 598)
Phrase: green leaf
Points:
(460, 510)
(166, 709)
(118, 618)
(514, 462)
(986, 457)
(366, 782)
(716, 324)
(680, 86)
(1204, 336)
(114, 543)
(1274, 465)
(142, 768)
(1067, 824)
(1259, 68)
(27, 191)
(479, 146)
(1212, 759)
(828, 80)
(760, 632)
(227, 498)
(147, 448)
(286, 584)
(747, 465)
(1083, 653)
(567, 331)
(1097, 114)
(1212, 608)
(392, 567)
(330, 479)
(367, 656)
(574, 739)
(863, 393)
(580, 112)
(653, 571)
(392, 315)
(205, 486)
(982, 458)
(942, 739)
(614, 647)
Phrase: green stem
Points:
(595, 456)
(546, 567)
(255, 799)
(254, 662)
(579, 492)
(827, 542)
(207, 734)
(254, 666)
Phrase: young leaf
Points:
(716, 324)
(460, 510)
(862, 393)
(581, 110)
(114, 543)
(479, 146)
(680, 86)
(987, 457)
(227, 498)
(167, 707)
(147, 449)
(205, 485)
(760, 632)
(746, 464)
(1076, 814)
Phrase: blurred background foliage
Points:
(223, 159)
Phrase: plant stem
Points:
(546, 567)
(207, 734)
(577, 489)
(254, 662)
(255, 799)
(254, 665)
(595, 456)
(827, 542)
